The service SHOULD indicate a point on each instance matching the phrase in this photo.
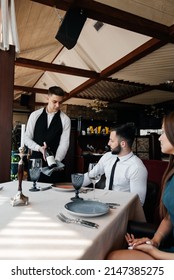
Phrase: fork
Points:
(85, 223)
(85, 190)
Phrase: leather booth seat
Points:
(150, 207)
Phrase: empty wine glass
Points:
(34, 171)
(77, 181)
(95, 177)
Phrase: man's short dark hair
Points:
(126, 131)
(56, 91)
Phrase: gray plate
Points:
(87, 208)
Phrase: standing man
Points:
(51, 126)
(123, 170)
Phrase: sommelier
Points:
(52, 126)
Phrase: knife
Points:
(112, 205)
(87, 223)
(44, 188)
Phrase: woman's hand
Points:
(145, 247)
(134, 242)
(149, 249)
(129, 238)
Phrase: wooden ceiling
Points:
(130, 59)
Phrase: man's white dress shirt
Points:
(130, 174)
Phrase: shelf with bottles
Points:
(95, 130)
(93, 137)
(91, 127)
(94, 146)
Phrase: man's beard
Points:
(116, 150)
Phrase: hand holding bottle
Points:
(50, 157)
(42, 150)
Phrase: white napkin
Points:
(47, 171)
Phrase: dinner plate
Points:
(65, 187)
(87, 208)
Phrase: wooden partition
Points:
(6, 110)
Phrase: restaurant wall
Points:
(119, 113)
(122, 113)
(20, 118)
(87, 113)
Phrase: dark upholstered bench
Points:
(155, 170)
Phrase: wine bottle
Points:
(50, 158)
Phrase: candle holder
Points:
(20, 199)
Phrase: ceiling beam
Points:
(127, 95)
(45, 66)
(138, 53)
(162, 35)
(59, 4)
(132, 57)
(30, 89)
(116, 17)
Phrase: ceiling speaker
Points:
(71, 27)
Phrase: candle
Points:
(22, 134)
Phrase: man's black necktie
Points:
(112, 174)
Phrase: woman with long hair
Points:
(145, 248)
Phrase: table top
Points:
(33, 231)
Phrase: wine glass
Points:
(34, 171)
(77, 181)
(94, 176)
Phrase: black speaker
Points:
(71, 27)
(24, 100)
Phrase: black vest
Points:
(51, 135)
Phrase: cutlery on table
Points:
(112, 205)
(44, 188)
(85, 190)
(81, 222)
